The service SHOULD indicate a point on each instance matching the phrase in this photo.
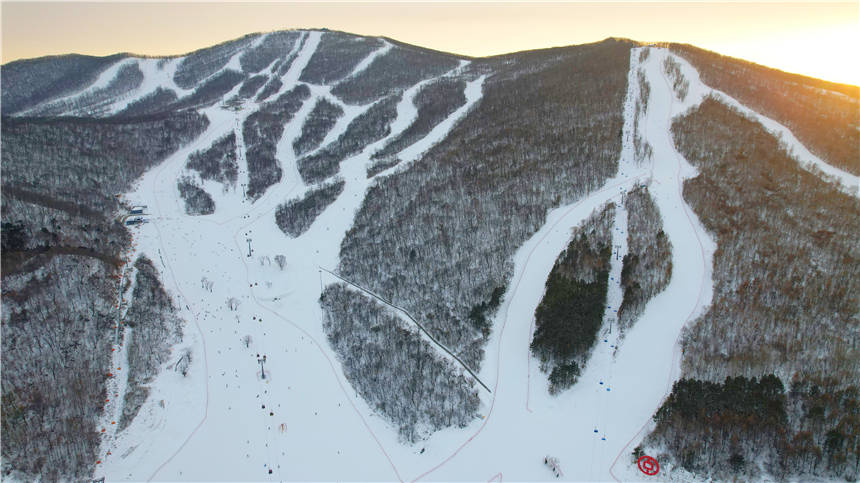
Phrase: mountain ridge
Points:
(451, 188)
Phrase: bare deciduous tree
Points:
(281, 261)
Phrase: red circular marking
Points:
(648, 465)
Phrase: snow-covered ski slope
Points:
(303, 420)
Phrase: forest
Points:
(201, 64)
(95, 102)
(393, 368)
(823, 115)
(647, 267)
(390, 74)
(154, 327)
(370, 126)
(336, 56)
(786, 284)
(319, 122)
(751, 428)
(197, 200)
(434, 103)
(31, 81)
(270, 49)
(218, 162)
(438, 238)
(62, 255)
(262, 131)
(570, 313)
(296, 216)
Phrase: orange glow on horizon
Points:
(814, 39)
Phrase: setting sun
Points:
(809, 38)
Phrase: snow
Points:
(103, 80)
(414, 152)
(117, 385)
(410, 324)
(207, 428)
(365, 63)
(211, 424)
(846, 181)
(311, 41)
(154, 76)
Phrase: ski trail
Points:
(310, 44)
(367, 61)
(118, 382)
(577, 424)
(156, 73)
(173, 233)
(159, 73)
(350, 112)
(846, 181)
(415, 151)
(608, 338)
(689, 291)
(550, 426)
(102, 81)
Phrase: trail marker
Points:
(648, 465)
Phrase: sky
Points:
(817, 39)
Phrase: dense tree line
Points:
(271, 88)
(251, 86)
(283, 66)
(262, 131)
(336, 56)
(296, 216)
(438, 238)
(391, 73)
(197, 200)
(57, 324)
(717, 429)
(393, 368)
(38, 227)
(156, 101)
(61, 257)
(154, 327)
(823, 115)
(373, 125)
(647, 266)
(318, 124)
(641, 148)
(570, 313)
(680, 84)
(95, 103)
(787, 268)
(28, 82)
(749, 428)
(434, 103)
(210, 92)
(218, 162)
(201, 64)
(785, 276)
(275, 45)
(87, 161)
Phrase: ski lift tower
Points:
(262, 360)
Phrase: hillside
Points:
(316, 255)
